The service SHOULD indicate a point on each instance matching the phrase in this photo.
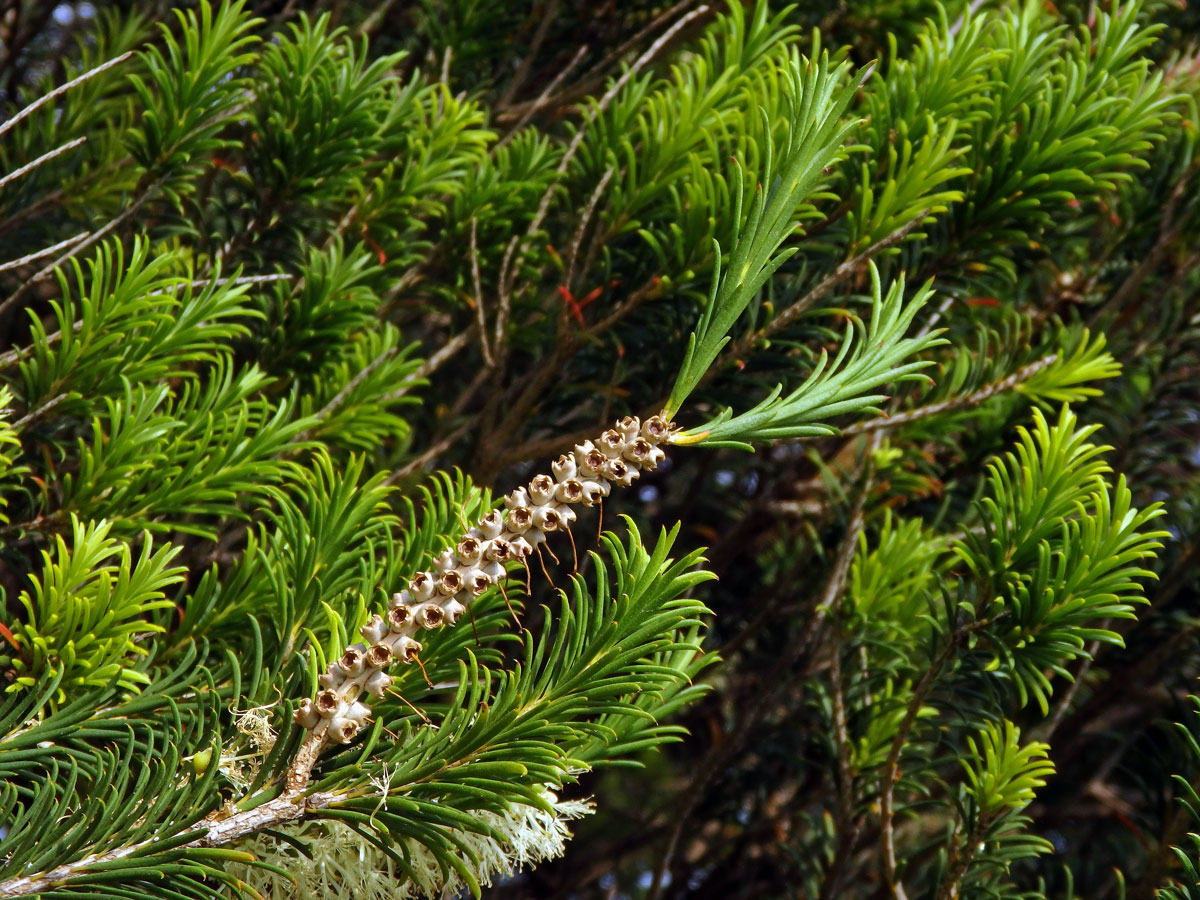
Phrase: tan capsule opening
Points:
(398, 616)
(551, 520)
(493, 519)
(639, 449)
(612, 438)
(572, 491)
(520, 517)
(350, 659)
(618, 469)
(656, 428)
(450, 583)
(432, 616)
(347, 732)
(543, 484)
(419, 581)
(379, 655)
(468, 548)
(480, 583)
(410, 651)
(500, 550)
(595, 460)
(327, 702)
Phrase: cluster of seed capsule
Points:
(477, 562)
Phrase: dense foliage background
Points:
(289, 286)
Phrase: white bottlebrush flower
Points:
(344, 865)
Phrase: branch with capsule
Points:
(437, 598)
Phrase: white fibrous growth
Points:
(342, 864)
(476, 563)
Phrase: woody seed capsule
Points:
(327, 703)
(498, 549)
(375, 630)
(378, 683)
(541, 489)
(453, 610)
(469, 550)
(563, 467)
(379, 655)
(431, 616)
(547, 518)
(569, 491)
(611, 443)
(421, 585)
(491, 524)
(398, 617)
(519, 519)
(450, 583)
(352, 661)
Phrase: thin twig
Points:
(584, 219)
(449, 349)
(95, 236)
(480, 317)
(538, 103)
(62, 89)
(1008, 383)
(45, 251)
(539, 38)
(843, 272)
(45, 157)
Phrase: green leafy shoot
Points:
(820, 94)
(1003, 774)
(83, 613)
(869, 356)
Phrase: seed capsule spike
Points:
(438, 597)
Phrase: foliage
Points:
(288, 288)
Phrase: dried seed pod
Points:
(617, 471)
(498, 549)
(594, 492)
(380, 655)
(422, 586)
(306, 715)
(655, 430)
(541, 489)
(374, 630)
(567, 516)
(564, 467)
(519, 519)
(589, 459)
(547, 518)
(326, 703)
(491, 524)
(611, 443)
(469, 549)
(399, 618)
(405, 649)
(446, 560)
(453, 610)
(331, 678)
(629, 427)
(657, 455)
(521, 548)
(431, 615)
(637, 451)
(569, 491)
(401, 598)
(517, 498)
(478, 582)
(352, 660)
(450, 583)
(378, 683)
(343, 729)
